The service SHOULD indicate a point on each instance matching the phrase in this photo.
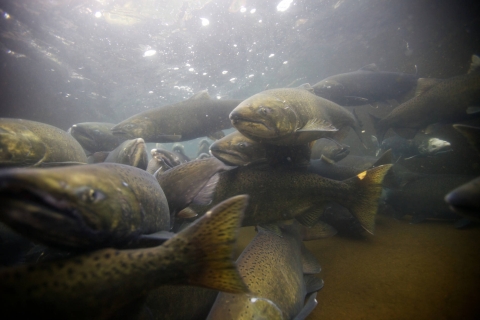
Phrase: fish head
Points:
(178, 148)
(236, 149)
(436, 146)
(134, 153)
(169, 158)
(264, 116)
(465, 200)
(66, 207)
(134, 127)
(20, 147)
(85, 136)
(229, 306)
(88, 134)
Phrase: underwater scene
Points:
(239, 159)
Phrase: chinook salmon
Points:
(279, 269)
(238, 150)
(196, 117)
(366, 85)
(95, 136)
(25, 143)
(445, 101)
(286, 194)
(191, 182)
(292, 116)
(109, 283)
(83, 207)
(131, 152)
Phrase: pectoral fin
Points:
(317, 125)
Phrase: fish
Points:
(88, 286)
(191, 182)
(204, 147)
(131, 152)
(465, 199)
(277, 268)
(25, 143)
(283, 194)
(158, 162)
(237, 150)
(83, 207)
(95, 136)
(366, 85)
(292, 116)
(331, 170)
(444, 101)
(330, 149)
(180, 150)
(410, 148)
(196, 117)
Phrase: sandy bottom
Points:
(424, 271)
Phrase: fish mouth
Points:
(229, 157)
(42, 217)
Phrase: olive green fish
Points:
(446, 101)
(291, 116)
(131, 152)
(330, 149)
(180, 150)
(277, 268)
(157, 162)
(196, 117)
(95, 136)
(83, 207)
(25, 143)
(238, 150)
(286, 194)
(108, 283)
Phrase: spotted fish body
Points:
(444, 102)
(101, 284)
(286, 194)
(274, 268)
(80, 207)
(25, 143)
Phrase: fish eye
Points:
(241, 145)
(91, 195)
(264, 110)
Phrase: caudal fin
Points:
(210, 242)
(366, 190)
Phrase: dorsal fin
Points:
(201, 95)
(306, 86)
(475, 63)
(370, 67)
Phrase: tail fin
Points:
(210, 243)
(366, 190)
(379, 129)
